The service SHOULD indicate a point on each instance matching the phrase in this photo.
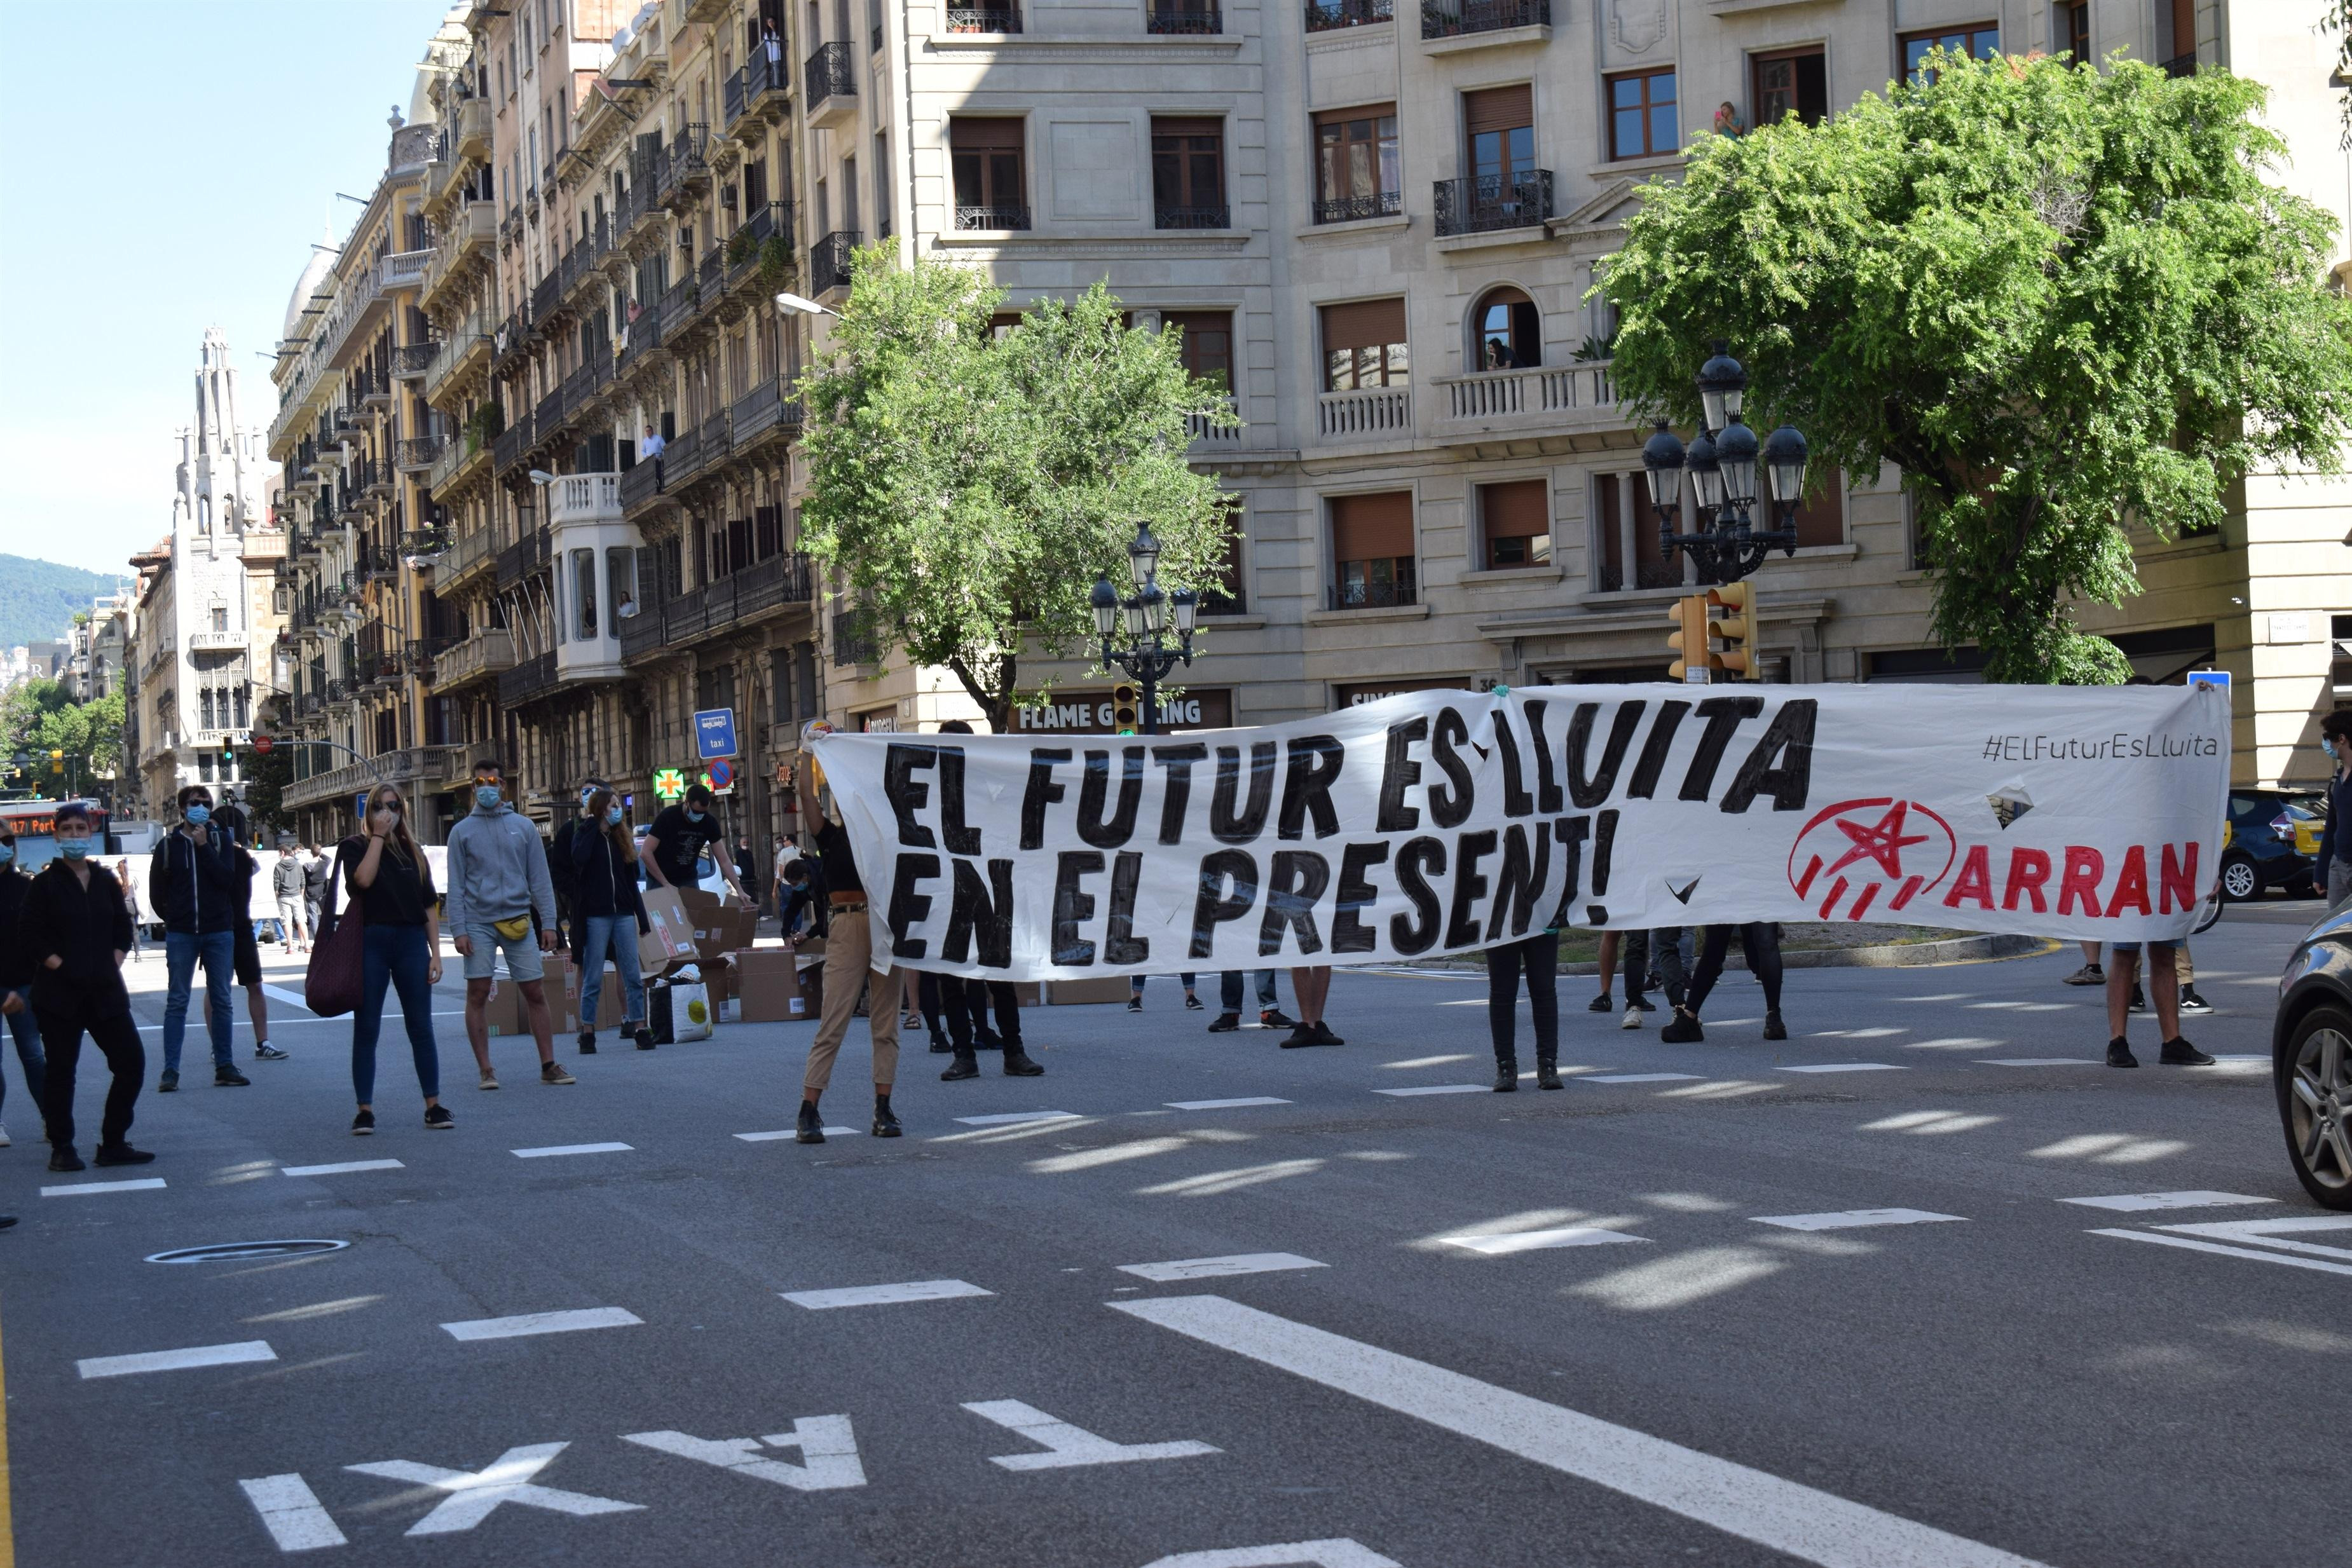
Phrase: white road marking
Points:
(1784, 1516)
(1537, 1240)
(782, 1132)
(1434, 1089)
(2273, 1233)
(828, 1450)
(884, 1295)
(2040, 1061)
(1434, 1060)
(1643, 1078)
(144, 1184)
(1338, 1553)
(1224, 1104)
(344, 1168)
(1848, 1067)
(1067, 1446)
(1009, 1118)
(474, 1495)
(1854, 1219)
(553, 1149)
(292, 1514)
(175, 1359)
(2133, 1202)
(2288, 1259)
(1213, 1268)
(1879, 1033)
(544, 1322)
(291, 998)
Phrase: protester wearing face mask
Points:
(191, 881)
(16, 973)
(498, 889)
(76, 932)
(612, 914)
(2333, 872)
(562, 870)
(400, 947)
(678, 839)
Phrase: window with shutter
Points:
(1515, 517)
(1499, 124)
(1364, 345)
(1372, 551)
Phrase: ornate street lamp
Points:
(1147, 658)
(1720, 463)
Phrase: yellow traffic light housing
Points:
(1124, 711)
(1688, 639)
(1736, 626)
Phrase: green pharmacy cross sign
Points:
(670, 783)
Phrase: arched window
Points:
(1506, 333)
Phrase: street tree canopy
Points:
(2058, 298)
(40, 717)
(971, 484)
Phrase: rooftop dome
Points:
(313, 273)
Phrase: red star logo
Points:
(1882, 841)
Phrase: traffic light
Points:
(1124, 714)
(57, 762)
(1688, 639)
(1736, 626)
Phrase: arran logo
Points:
(1851, 854)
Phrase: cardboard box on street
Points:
(1103, 989)
(671, 941)
(504, 1010)
(1028, 994)
(773, 988)
(612, 999)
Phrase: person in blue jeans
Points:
(1135, 993)
(191, 881)
(16, 978)
(393, 882)
(1229, 998)
(611, 912)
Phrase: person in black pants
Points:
(1536, 957)
(1760, 941)
(17, 975)
(78, 930)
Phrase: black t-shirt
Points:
(682, 843)
(401, 892)
(840, 866)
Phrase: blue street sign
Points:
(714, 732)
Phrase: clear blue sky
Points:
(170, 165)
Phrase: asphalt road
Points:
(1542, 1329)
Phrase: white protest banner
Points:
(1442, 821)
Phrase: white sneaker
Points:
(1634, 1017)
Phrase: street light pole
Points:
(1147, 659)
(1721, 462)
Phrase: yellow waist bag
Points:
(513, 930)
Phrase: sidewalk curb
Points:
(1985, 948)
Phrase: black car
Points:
(2273, 842)
(2311, 1058)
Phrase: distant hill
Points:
(38, 598)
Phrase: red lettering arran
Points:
(2083, 865)
(1975, 880)
(2131, 883)
(2179, 880)
(2029, 874)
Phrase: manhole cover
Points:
(233, 1251)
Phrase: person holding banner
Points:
(1760, 943)
(848, 956)
(1311, 985)
(2164, 979)
(1537, 958)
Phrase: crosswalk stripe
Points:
(75, 1189)
(1215, 1268)
(1855, 1218)
(1504, 1243)
(1784, 1516)
(2193, 1245)
(1224, 1104)
(2135, 1202)
(1642, 1078)
(542, 1323)
(884, 1295)
(344, 1167)
(1432, 1089)
(553, 1149)
(1847, 1067)
(1008, 1118)
(175, 1359)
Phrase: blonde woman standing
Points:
(402, 947)
(611, 912)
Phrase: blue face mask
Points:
(74, 849)
(612, 815)
(486, 796)
(692, 815)
(199, 815)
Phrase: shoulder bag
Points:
(330, 988)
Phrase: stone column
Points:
(1629, 509)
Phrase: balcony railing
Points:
(1544, 390)
(2181, 65)
(465, 552)
(640, 485)
(829, 259)
(687, 163)
(1484, 202)
(1197, 16)
(416, 767)
(1193, 218)
(1354, 209)
(1011, 218)
(411, 360)
(417, 452)
(1204, 427)
(1369, 595)
(1323, 18)
(830, 73)
(1371, 411)
(524, 557)
(761, 410)
(983, 18)
(683, 456)
(527, 679)
(487, 653)
(1455, 18)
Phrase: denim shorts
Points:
(2134, 946)
(522, 953)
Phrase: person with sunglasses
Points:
(401, 946)
(76, 931)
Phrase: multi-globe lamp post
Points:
(1721, 463)
(1145, 616)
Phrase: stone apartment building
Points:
(1379, 229)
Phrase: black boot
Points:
(885, 1125)
(1019, 1063)
(1773, 1028)
(939, 1046)
(1547, 1072)
(964, 1066)
(811, 1128)
(1506, 1075)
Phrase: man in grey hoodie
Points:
(499, 897)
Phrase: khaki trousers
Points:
(848, 945)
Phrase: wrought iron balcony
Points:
(830, 74)
(1013, 218)
(1178, 17)
(411, 360)
(640, 485)
(1193, 218)
(1323, 18)
(1484, 202)
(527, 679)
(1456, 18)
(508, 447)
(983, 18)
(1353, 209)
(417, 453)
(1371, 595)
(524, 557)
(829, 260)
(688, 167)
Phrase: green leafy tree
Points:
(2057, 297)
(40, 717)
(269, 775)
(969, 485)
